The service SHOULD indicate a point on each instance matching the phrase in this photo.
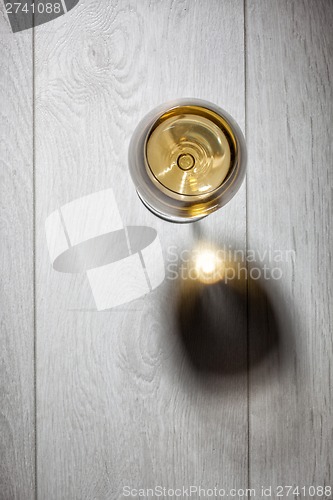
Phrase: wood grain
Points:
(118, 401)
(289, 117)
(17, 422)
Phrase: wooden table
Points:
(92, 402)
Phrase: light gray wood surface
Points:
(290, 178)
(117, 399)
(118, 403)
(17, 414)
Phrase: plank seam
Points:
(34, 242)
(246, 246)
(64, 6)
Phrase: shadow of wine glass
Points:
(233, 323)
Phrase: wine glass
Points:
(187, 158)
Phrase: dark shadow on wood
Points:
(231, 327)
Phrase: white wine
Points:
(189, 151)
(187, 160)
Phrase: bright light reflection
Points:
(209, 265)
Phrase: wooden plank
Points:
(289, 116)
(17, 422)
(118, 401)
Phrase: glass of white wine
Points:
(187, 158)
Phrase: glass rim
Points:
(183, 208)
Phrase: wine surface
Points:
(189, 151)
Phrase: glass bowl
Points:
(187, 158)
